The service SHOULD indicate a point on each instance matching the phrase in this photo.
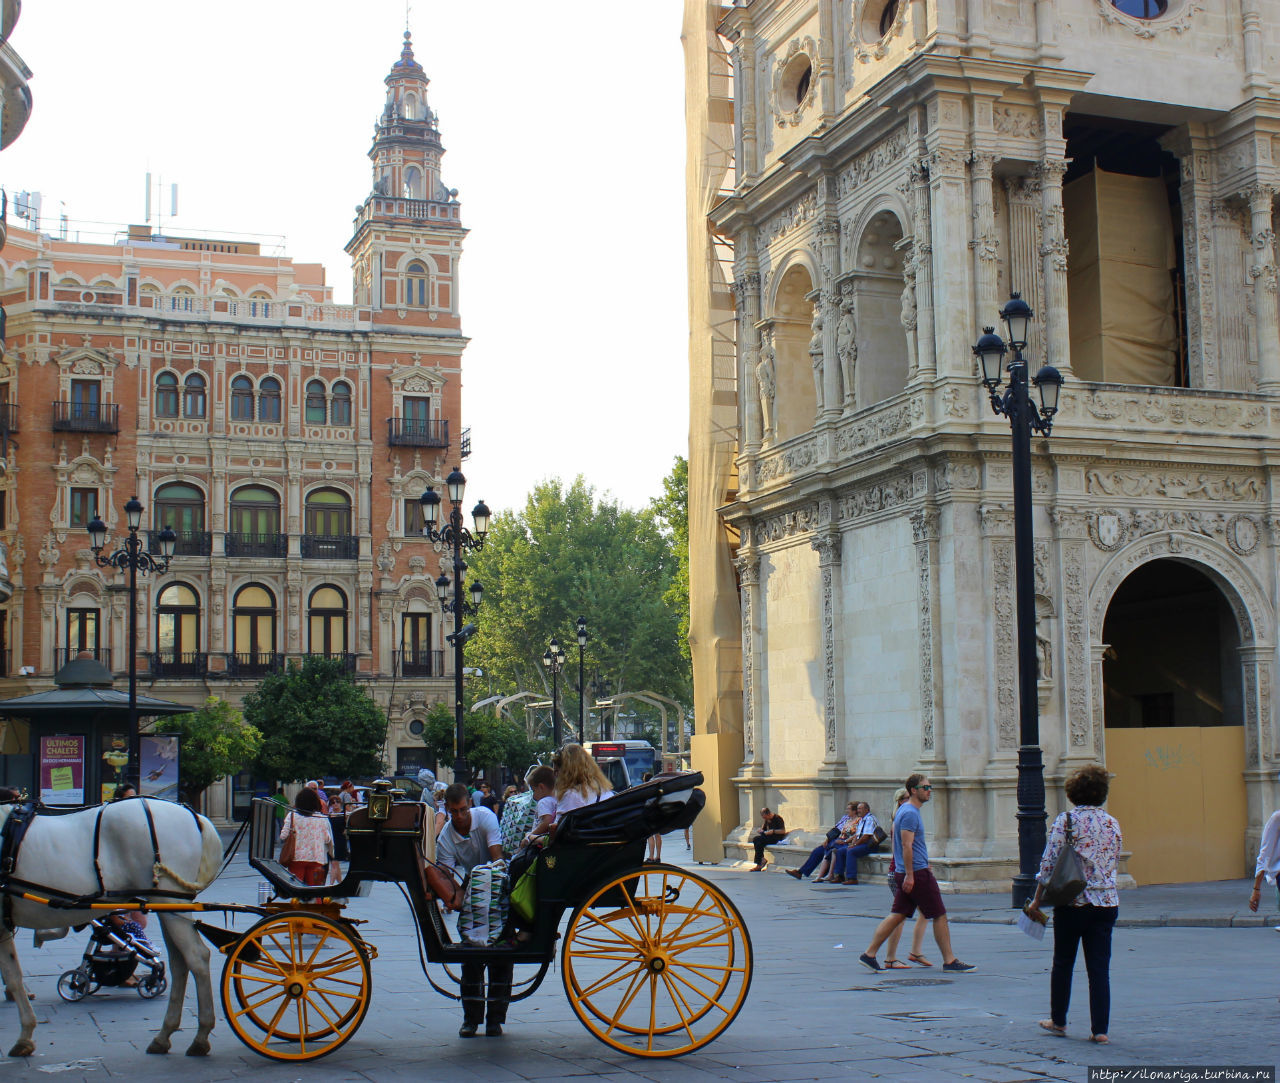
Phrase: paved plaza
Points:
(1188, 989)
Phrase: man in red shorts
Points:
(914, 882)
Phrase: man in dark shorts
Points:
(914, 883)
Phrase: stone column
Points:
(832, 398)
(1070, 530)
(1256, 83)
(949, 212)
(924, 533)
(827, 544)
(922, 251)
(748, 566)
(986, 241)
(1263, 274)
(1096, 684)
(1025, 277)
(1053, 253)
(997, 532)
(1255, 670)
(1194, 155)
(746, 288)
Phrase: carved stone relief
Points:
(1136, 408)
(1176, 485)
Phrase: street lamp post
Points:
(582, 691)
(1024, 418)
(455, 537)
(553, 659)
(131, 556)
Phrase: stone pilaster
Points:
(1023, 194)
(926, 363)
(985, 243)
(748, 566)
(1071, 532)
(832, 395)
(949, 212)
(1200, 282)
(1053, 255)
(997, 532)
(1263, 273)
(746, 288)
(924, 534)
(827, 544)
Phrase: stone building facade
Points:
(898, 167)
(285, 438)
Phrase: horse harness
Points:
(15, 830)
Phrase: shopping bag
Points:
(484, 905)
(525, 894)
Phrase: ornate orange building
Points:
(284, 437)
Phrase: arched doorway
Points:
(796, 400)
(876, 288)
(1174, 714)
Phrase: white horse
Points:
(57, 853)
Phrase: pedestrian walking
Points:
(916, 886)
(1089, 918)
(891, 960)
(1268, 864)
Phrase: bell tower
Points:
(408, 234)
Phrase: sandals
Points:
(919, 960)
(1053, 1028)
(895, 964)
(1101, 1039)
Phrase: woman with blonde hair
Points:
(579, 780)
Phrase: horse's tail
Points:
(210, 854)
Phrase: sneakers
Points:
(794, 874)
(493, 1030)
(871, 963)
(957, 967)
(467, 1030)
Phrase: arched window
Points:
(316, 405)
(178, 631)
(253, 630)
(415, 285)
(328, 527)
(180, 299)
(413, 182)
(255, 523)
(259, 304)
(327, 621)
(182, 507)
(193, 398)
(411, 106)
(340, 411)
(269, 399)
(166, 395)
(242, 398)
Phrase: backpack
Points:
(517, 820)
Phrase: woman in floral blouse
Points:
(1090, 917)
(313, 849)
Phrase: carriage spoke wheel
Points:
(657, 963)
(296, 986)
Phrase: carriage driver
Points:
(471, 837)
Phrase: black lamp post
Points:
(553, 659)
(582, 690)
(133, 557)
(1024, 418)
(457, 539)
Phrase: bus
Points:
(640, 757)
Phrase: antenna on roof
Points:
(173, 202)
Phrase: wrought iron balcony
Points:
(254, 663)
(257, 545)
(417, 432)
(330, 547)
(86, 416)
(171, 664)
(63, 655)
(9, 416)
(190, 543)
(419, 663)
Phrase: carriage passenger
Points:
(472, 837)
(313, 845)
(542, 783)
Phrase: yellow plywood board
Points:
(1179, 795)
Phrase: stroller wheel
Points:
(76, 985)
(152, 986)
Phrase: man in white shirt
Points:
(1268, 864)
(471, 837)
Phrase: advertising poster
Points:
(62, 769)
(115, 758)
(160, 766)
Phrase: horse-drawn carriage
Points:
(656, 961)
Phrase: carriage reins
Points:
(14, 832)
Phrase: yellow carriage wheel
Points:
(657, 963)
(296, 986)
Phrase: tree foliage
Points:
(215, 742)
(316, 721)
(672, 511)
(567, 554)
(491, 741)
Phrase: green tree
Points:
(672, 511)
(490, 740)
(568, 553)
(315, 721)
(215, 742)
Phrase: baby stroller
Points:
(110, 958)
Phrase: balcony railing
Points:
(254, 663)
(9, 416)
(419, 663)
(63, 655)
(257, 545)
(86, 416)
(417, 432)
(166, 664)
(330, 547)
(189, 543)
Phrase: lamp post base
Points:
(461, 770)
(1024, 890)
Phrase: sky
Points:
(563, 128)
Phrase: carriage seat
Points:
(663, 804)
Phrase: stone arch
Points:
(873, 290)
(785, 348)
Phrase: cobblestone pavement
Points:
(1181, 996)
